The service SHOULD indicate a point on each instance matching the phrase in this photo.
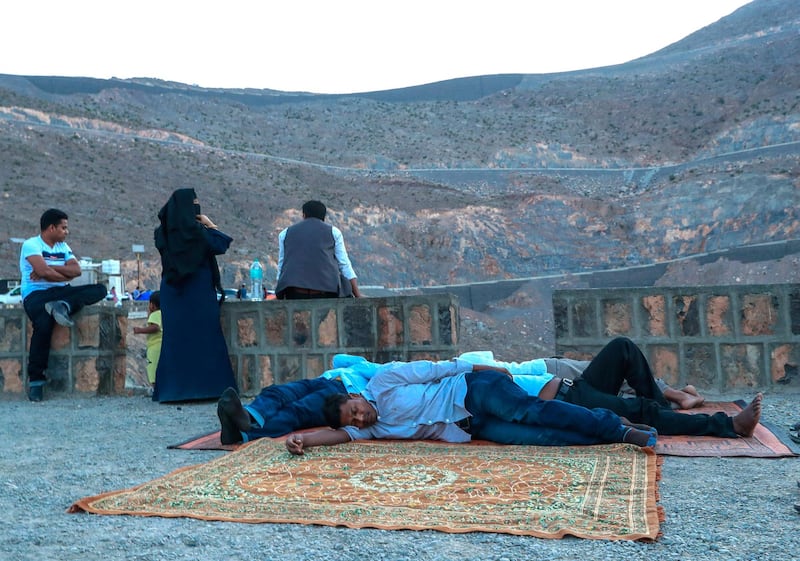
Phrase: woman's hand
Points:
(206, 221)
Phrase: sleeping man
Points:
(455, 401)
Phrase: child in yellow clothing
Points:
(153, 331)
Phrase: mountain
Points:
(691, 149)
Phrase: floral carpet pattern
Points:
(596, 492)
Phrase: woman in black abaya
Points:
(194, 362)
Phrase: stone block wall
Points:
(717, 337)
(88, 357)
(272, 341)
(278, 341)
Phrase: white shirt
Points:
(56, 255)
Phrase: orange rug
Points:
(206, 441)
(766, 442)
(596, 492)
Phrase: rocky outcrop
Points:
(692, 149)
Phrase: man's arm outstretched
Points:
(297, 442)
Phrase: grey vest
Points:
(309, 260)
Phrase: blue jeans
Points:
(283, 408)
(502, 412)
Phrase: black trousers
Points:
(76, 296)
(292, 293)
(622, 361)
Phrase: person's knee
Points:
(623, 347)
(99, 292)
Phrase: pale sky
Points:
(330, 46)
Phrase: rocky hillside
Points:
(691, 149)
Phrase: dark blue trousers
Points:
(504, 413)
(284, 408)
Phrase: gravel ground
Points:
(64, 449)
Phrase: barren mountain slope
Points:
(691, 149)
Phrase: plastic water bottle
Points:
(256, 280)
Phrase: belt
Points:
(563, 389)
(463, 424)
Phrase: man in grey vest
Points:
(312, 259)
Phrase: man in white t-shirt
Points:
(47, 265)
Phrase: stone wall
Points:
(716, 337)
(279, 341)
(88, 357)
(269, 342)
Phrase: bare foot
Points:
(745, 422)
(683, 398)
(690, 389)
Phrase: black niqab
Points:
(180, 238)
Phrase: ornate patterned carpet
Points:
(597, 492)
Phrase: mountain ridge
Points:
(607, 167)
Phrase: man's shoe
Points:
(233, 418)
(228, 434)
(60, 312)
(36, 391)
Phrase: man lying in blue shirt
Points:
(283, 408)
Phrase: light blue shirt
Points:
(419, 400)
(345, 267)
(56, 255)
(530, 375)
(353, 371)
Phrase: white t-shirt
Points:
(56, 255)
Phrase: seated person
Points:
(313, 260)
